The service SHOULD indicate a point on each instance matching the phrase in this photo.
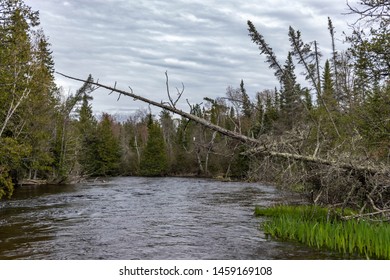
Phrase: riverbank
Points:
(324, 228)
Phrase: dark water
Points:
(143, 218)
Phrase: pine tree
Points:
(27, 101)
(290, 93)
(154, 161)
(11, 154)
(87, 131)
(328, 93)
(108, 153)
(247, 106)
(169, 133)
(270, 114)
(373, 123)
(15, 71)
(370, 42)
(39, 110)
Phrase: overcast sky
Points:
(202, 43)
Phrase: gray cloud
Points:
(203, 44)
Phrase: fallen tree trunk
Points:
(261, 148)
(369, 170)
(172, 109)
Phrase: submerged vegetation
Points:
(326, 229)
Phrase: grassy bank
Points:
(318, 227)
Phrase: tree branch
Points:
(262, 148)
(169, 108)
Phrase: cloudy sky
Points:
(203, 44)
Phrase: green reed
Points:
(321, 228)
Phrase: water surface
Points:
(143, 218)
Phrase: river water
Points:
(143, 218)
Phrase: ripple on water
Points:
(143, 218)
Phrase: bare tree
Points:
(371, 11)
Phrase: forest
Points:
(328, 139)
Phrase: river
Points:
(143, 218)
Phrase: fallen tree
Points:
(259, 146)
(171, 107)
(364, 173)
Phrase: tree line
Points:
(339, 115)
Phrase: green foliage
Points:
(247, 106)
(328, 93)
(27, 89)
(107, 151)
(6, 184)
(323, 228)
(372, 123)
(240, 163)
(87, 129)
(11, 156)
(154, 160)
(341, 114)
(290, 94)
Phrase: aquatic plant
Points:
(322, 228)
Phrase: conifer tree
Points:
(328, 93)
(169, 134)
(247, 106)
(87, 129)
(154, 161)
(39, 109)
(290, 93)
(370, 41)
(108, 153)
(27, 91)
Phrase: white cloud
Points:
(204, 44)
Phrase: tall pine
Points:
(154, 160)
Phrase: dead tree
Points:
(264, 148)
(259, 146)
(171, 108)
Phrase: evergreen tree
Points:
(247, 106)
(27, 93)
(169, 133)
(290, 93)
(308, 99)
(39, 110)
(108, 153)
(89, 138)
(270, 114)
(370, 42)
(328, 93)
(240, 163)
(15, 68)
(154, 160)
(374, 123)
(11, 154)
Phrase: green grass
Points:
(321, 228)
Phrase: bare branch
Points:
(261, 147)
(169, 108)
(112, 90)
(179, 92)
(372, 11)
